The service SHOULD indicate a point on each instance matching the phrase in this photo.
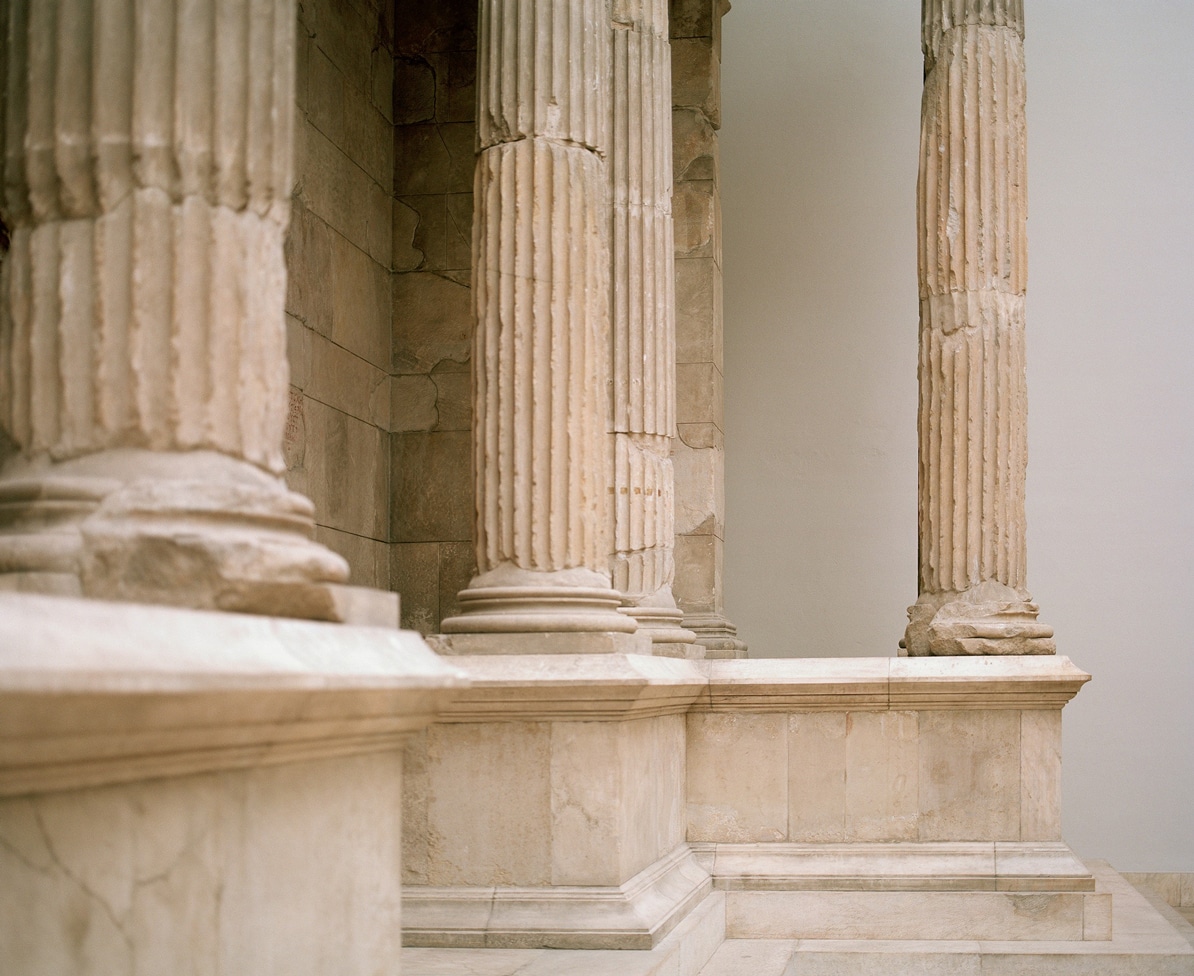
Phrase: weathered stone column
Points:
(972, 210)
(541, 297)
(643, 316)
(143, 378)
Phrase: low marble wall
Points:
(864, 750)
(284, 869)
(201, 792)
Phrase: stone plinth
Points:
(889, 799)
(161, 769)
(548, 808)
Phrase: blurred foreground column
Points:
(143, 378)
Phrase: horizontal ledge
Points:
(927, 866)
(573, 687)
(95, 692)
(635, 915)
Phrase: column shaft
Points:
(540, 287)
(972, 213)
(147, 175)
(643, 318)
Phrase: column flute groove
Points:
(972, 421)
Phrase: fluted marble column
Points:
(147, 175)
(972, 210)
(643, 310)
(541, 299)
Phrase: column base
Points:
(664, 625)
(716, 634)
(196, 529)
(509, 600)
(988, 620)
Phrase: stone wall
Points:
(432, 515)
(339, 257)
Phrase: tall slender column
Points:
(972, 210)
(143, 379)
(541, 298)
(643, 312)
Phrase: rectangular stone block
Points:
(692, 18)
(433, 158)
(936, 915)
(432, 322)
(699, 562)
(347, 471)
(344, 380)
(347, 38)
(1040, 775)
(617, 798)
(970, 775)
(882, 776)
(413, 399)
(327, 101)
(368, 559)
(457, 566)
(331, 185)
(361, 299)
(817, 777)
(700, 394)
(414, 573)
(213, 872)
(732, 798)
(695, 154)
(699, 474)
(698, 311)
(696, 76)
(443, 230)
(696, 209)
(380, 225)
(489, 807)
(414, 91)
(309, 269)
(381, 77)
(432, 486)
(369, 139)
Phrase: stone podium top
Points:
(163, 691)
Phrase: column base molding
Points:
(635, 915)
(716, 634)
(976, 624)
(192, 528)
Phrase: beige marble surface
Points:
(291, 869)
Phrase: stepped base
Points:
(1145, 939)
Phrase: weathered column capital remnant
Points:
(541, 298)
(643, 319)
(143, 379)
(972, 211)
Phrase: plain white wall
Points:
(819, 147)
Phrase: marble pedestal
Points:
(191, 791)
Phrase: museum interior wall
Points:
(818, 155)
